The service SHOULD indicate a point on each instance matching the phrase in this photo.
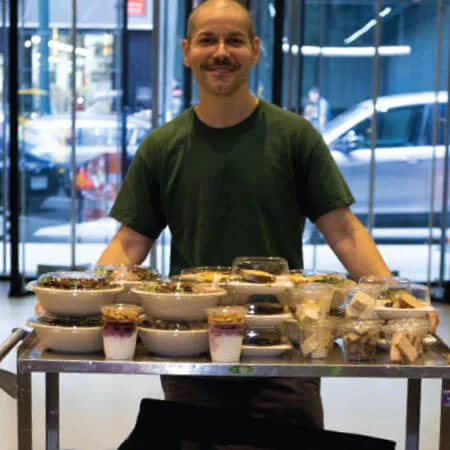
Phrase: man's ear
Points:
(185, 50)
(255, 50)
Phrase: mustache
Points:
(220, 62)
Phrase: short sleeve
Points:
(138, 203)
(320, 182)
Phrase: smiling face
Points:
(220, 50)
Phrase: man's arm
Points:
(352, 244)
(126, 247)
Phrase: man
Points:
(320, 107)
(236, 176)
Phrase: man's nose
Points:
(221, 49)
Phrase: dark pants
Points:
(294, 400)
(169, 425)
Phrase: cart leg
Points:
(413, 414)
(24, 422)
(445, 416)
(52, 411)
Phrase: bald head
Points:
(218, 4)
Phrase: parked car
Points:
(403, 157)
(38, 177)
(95, 135)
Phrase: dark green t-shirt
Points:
(244, 190)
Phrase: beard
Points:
(220, 84)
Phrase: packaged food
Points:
(405, 338)
(316, 340)
(226, 332)
(360, 338)
(359, 304)
(263, 336)
(259, 276)
(120, 323)
(73, 280)
(311, 301)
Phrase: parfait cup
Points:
(120, 322)
(226, 332)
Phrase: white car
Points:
(95, 135)
(403, 157)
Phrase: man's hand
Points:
(38, 308)
(433, 318)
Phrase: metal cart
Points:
(433, 364)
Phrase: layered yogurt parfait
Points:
(120, 330)
(226, 332)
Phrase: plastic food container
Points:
(360, 338)
(315, 340)
(360, 304)
(226, 332)
(120, 323)
(263, 336)
(259, 276)
(404, 338)
(311, 301)
(291, 330)
(207, 274)
(217, 276)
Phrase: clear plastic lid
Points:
(359, 326)
(264, 307)
(226, 314)
(413, 325)
(47, 318)
(73, 280)
(399, 282)
(122, 312)
(159, 324)
(176, 285)
(124, 272)
(359, 303)
(411, 297)
(323, 324)
(302, 276)
(421, 293)
(263, 336)
(259, 269)
(206, 274)
(384, 287)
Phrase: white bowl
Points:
(175, 342)
(178, 306)
(76, 302)
(68, 339)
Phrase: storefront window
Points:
(376, 68)
(342, 64)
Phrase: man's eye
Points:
(205, 41)
(235, 42)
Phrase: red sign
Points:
(136, 7)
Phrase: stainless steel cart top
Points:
(434, 363)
